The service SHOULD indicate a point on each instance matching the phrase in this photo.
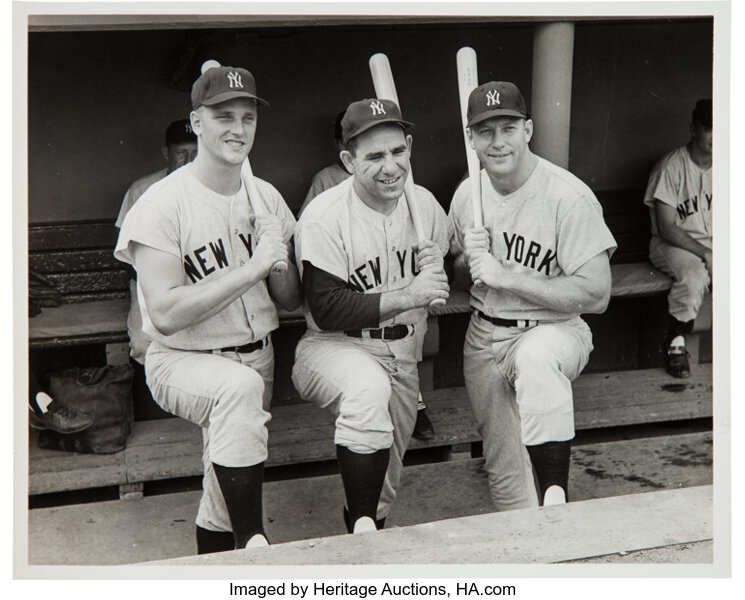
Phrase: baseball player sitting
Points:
(202, 254)
(367, 283)
(327, 178)
(540, 260)
(679, 199)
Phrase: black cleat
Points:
(59, 418)
(423, 430)
(676, 362)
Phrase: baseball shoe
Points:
(423, 430)
(676, 361)
(59, 418)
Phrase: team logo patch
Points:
(492, 98)
(377, 108)
(234, 79)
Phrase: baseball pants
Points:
(371, 387)
(518, 381)
(690, 278)
(227, 394)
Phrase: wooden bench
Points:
(301, 433)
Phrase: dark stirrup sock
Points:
(209, 541)
(551, 464)
(676, 328)
(363, 476)
(242, 487)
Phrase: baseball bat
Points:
(468, 80)
(258, 205)
(385, 88)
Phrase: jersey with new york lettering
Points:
(549, 227)
(211, 235)
(679, 182)
(372, 252)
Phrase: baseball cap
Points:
(702, 112)
(220, 84)
(180, 132)
(367, 113)
(495, 99)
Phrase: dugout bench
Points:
(77, 258)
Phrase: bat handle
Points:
(279, 268)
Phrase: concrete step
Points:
(159, 527)
(300, 433)
(573, 531)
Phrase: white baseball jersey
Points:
(679, 182)
(211, 234)
(136, 190)
(549, 227)
(374, 253)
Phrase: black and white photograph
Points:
(344, 291)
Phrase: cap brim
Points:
(495, 113)
(404, 124)
(225, 96)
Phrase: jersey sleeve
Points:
(127, 203)
(664, 185)
(582, 234)
(314, 243)
(148, 223)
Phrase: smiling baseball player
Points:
(367, 284)
(542, 258)
(202, 255)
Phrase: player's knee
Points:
(695, 280)
(532, 359)
(247, 385)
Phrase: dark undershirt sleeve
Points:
(334, 306)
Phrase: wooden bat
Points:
(385, 88)
(258, 205)
(468, 80)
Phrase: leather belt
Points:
(247, 348)
(393, 332)
(507, 322)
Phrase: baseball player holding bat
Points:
(203, 253)
(541, 259)
(368, 281)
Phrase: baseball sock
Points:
(551, 464)
(363, 476)
(677, 328)
(209, 541)
(242, 488)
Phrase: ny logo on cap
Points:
(377, 108)
(235, 80)
(492, 98)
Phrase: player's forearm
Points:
(395, 302)
(179, 307)
(566, 294)
(675, 236)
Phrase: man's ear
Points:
(470, 138)
(347, 160)
(196, 122)
(528, 129)
(409, 142)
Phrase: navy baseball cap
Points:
(220, 84)
(702, 112)
(495, 99)
(180, 132)
(367, 113)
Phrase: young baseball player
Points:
(679, 198)
(540, 260)
(367, 283)
(327, 178)
(202, 250)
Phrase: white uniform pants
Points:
(229, 396)
(518, 381)
(690, 277)
(371, 387)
